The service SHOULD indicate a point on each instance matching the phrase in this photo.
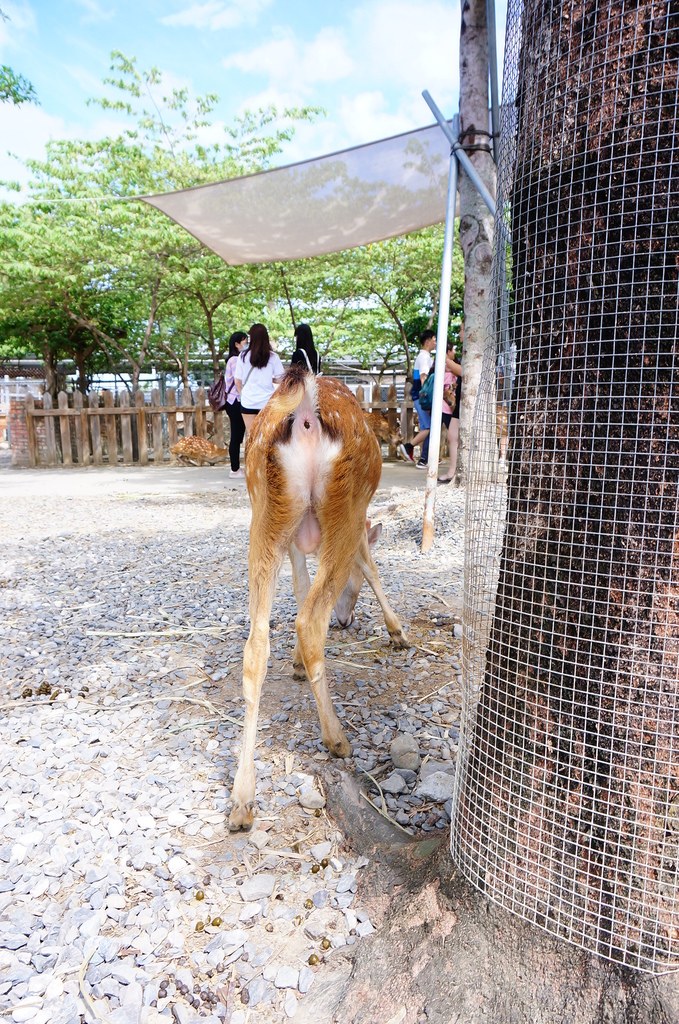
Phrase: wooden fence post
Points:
(377, 398)
(187, 400)
(95, 429)
(171, 402)
(50, 436)
(218, 432)
(82, 440)
(360, 395)
(142, 438)
(126, 429)
(110, 423)
(65, 431)
(30, 432)
(157, 429)
(201, 418)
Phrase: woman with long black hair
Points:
(305, 350)
(258, 372)
(237, 343)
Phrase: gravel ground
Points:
(123, 897)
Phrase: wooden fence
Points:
(98, 429)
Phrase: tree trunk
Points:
(570, 797)
(138, 365)
(80, 360)
(184, 370)
(476, 221)
(444, 953)
(287, 295)
(51, 382)
(213, 348)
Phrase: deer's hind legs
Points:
(366, 563)
(255, 657)
(312, 625)
(301, 584)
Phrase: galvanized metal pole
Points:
(492, 61)
(440, 364)
(464, 160)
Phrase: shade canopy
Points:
(359, 195)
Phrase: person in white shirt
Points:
(258, 372)
(421, 370)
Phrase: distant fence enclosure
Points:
(101, 428)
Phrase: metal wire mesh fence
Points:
(567, 802)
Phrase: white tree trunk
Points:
(476, 221)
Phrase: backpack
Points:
(216, 395)
(426, 395)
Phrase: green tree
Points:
(14, 88)
(88, 248)
(136, 288)
(371, 302)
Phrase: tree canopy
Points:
(14, 88)
(94, 276)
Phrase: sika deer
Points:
(195, 451)
(380, 427)
(312, 465)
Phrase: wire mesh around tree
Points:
(567, 802)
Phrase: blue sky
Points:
(366, 63)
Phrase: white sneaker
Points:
(236, 472)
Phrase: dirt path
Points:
(124, 599)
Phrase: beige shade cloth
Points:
(315, 207)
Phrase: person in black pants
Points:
(237, 342)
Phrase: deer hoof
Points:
(400, 641)
(298, 672)
(340, 747)
(241, 817)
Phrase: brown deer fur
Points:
(196, 450)
(312, 465)
(379, 425)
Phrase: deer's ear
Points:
(374, 534)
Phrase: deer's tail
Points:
(291, 392)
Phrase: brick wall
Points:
(18, 434)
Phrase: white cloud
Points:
(327, 59)
(196, 16)
(30, 128)
(295, 66)
(20, 19)
(93, 12)
(216, 14)
(398, 48)
(312, 140)
(274, 57)
(413, 44)
(88, 82)
(366, 117)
